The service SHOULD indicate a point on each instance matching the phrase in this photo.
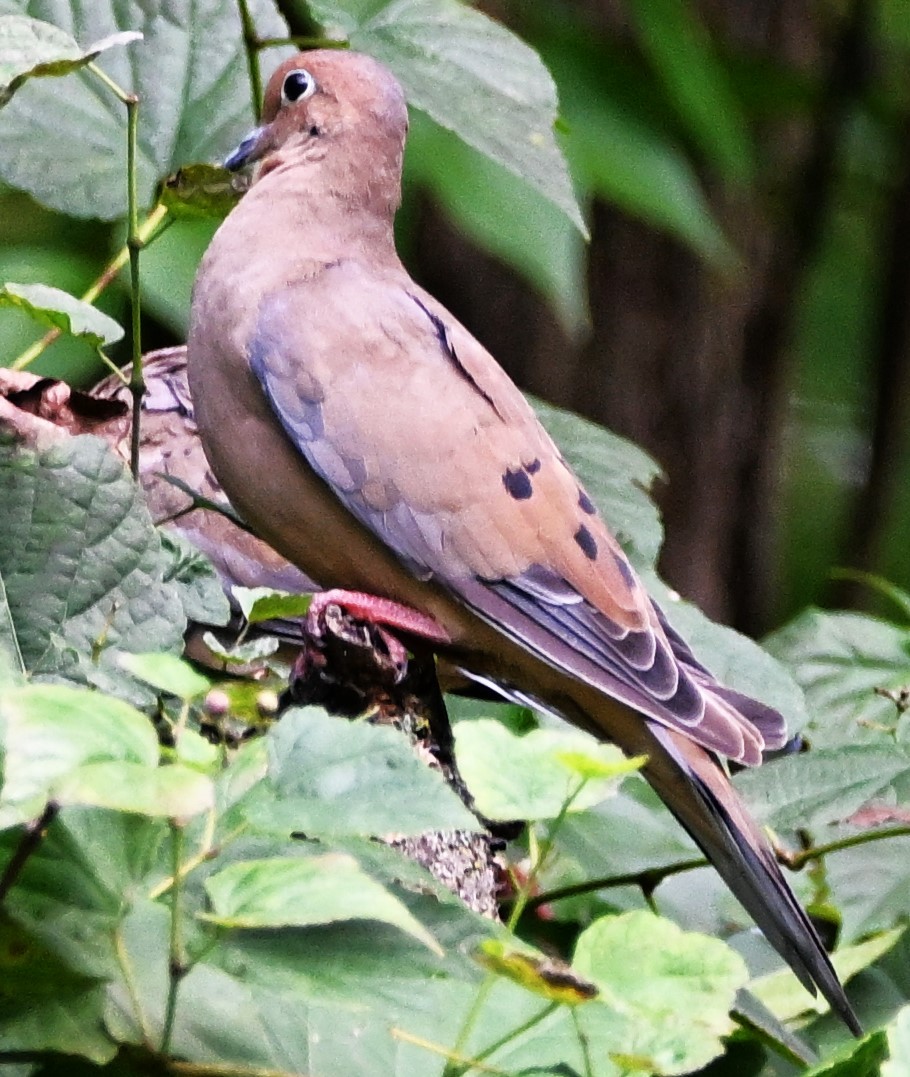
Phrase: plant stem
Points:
(134, 246)
(537, 867)
(251, 45)
(176, 963)
(207, 850)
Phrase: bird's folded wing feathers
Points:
(354, 364)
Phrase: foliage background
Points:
(740, 311)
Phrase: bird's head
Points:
(328, 105)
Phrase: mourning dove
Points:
(372, 441)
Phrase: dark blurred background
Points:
(741, 311)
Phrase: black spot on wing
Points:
(518, 484)
(448, 349)
(586, 542)
(625, 570)
(585, 503)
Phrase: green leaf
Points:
(696, 83)
(670, 992)
(839, 659)
(535, 775)
(263, 604)
(208, 191)
(893, 20)
(824, 786)
(472, 76)
(519, 226)
(44, 1005)
(786, 997)
(59, 310)
(298, 892)
(621, 151)
(52, 730)
(757, 1018)
(167, 673)
(201, 592)
(330, 776)
(865, 908)
(65, 142)
(168, 268)
(79, 881)
(82, 566)
(195, 751)
(30, 48)
(319, 1001)
(859, 1058)
(898, 1064)
(175, 791)
(647, 965)
(242, 654)
(12, 664)
(617, 474)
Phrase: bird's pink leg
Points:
(379, 611)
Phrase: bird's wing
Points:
(428, 443)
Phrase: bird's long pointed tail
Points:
(695, 788)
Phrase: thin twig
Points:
(251, 46)
(207, 850)
(650, 879)
(457, 1056)
(800, 859)
(519, 1030)
(647, 880)
(31, 839)
(302, 41)
(223, 1069)
(540, 861)
(450, 1056)
(177, 968)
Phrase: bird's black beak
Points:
(249, 150)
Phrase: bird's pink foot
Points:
(382, 612)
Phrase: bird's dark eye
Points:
(297, 85)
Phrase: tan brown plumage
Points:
(375, 443)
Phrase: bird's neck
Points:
(283, 212)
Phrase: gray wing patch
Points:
(416, 538)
